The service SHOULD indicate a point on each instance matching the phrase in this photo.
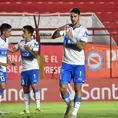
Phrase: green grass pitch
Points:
(56, 110)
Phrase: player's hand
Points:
(65, 27)
(69, 34)
(13, 64)
(6, 65)
(27, 48)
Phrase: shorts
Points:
(2, 76)
(72, 72)
(29, 77)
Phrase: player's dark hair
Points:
(4, 27)
(75, 10)
(29, 28)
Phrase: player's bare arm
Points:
(34, 53)
(3, 64)
(57, 33)
(8, 63)
(80, 44)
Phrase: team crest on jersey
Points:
(36, 44)
(94, 60)
(1, 73)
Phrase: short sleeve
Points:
(35, 46)
(84, 35)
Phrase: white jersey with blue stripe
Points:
(72, 54)
(28, 61)
(3, 53)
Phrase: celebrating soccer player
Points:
(30, 69)
(75, 38)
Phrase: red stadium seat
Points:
(106, 10)
(108, 16)
(59, 1)
(109, 24)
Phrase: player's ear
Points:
(30, 33)
(3, 32)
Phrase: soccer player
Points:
(75, 38)
(30, 69)
(5, 30)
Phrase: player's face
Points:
(7, 33)
(74, 18)
(25, 34)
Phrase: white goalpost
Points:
(44, 23)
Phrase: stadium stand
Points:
(106, 10)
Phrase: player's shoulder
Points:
(7, 40)
(1, 39)
(34, 41)
(21, 42)
(83, 28)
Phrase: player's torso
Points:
(72, 54)
(28, 61)
(76, 32)
(3, 52)
(24, 53)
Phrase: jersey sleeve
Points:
(62, 32)
(84, 35)
(35, 46)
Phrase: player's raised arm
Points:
(56, 34)
(7, 63)
(61, 31)
(3, 64)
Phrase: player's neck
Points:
(29, 38)
(3, 37)
(76, 25)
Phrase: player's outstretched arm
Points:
(61, 31)
(8, 63)
(3, 64)
(56, 34)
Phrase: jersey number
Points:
(2, 78)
